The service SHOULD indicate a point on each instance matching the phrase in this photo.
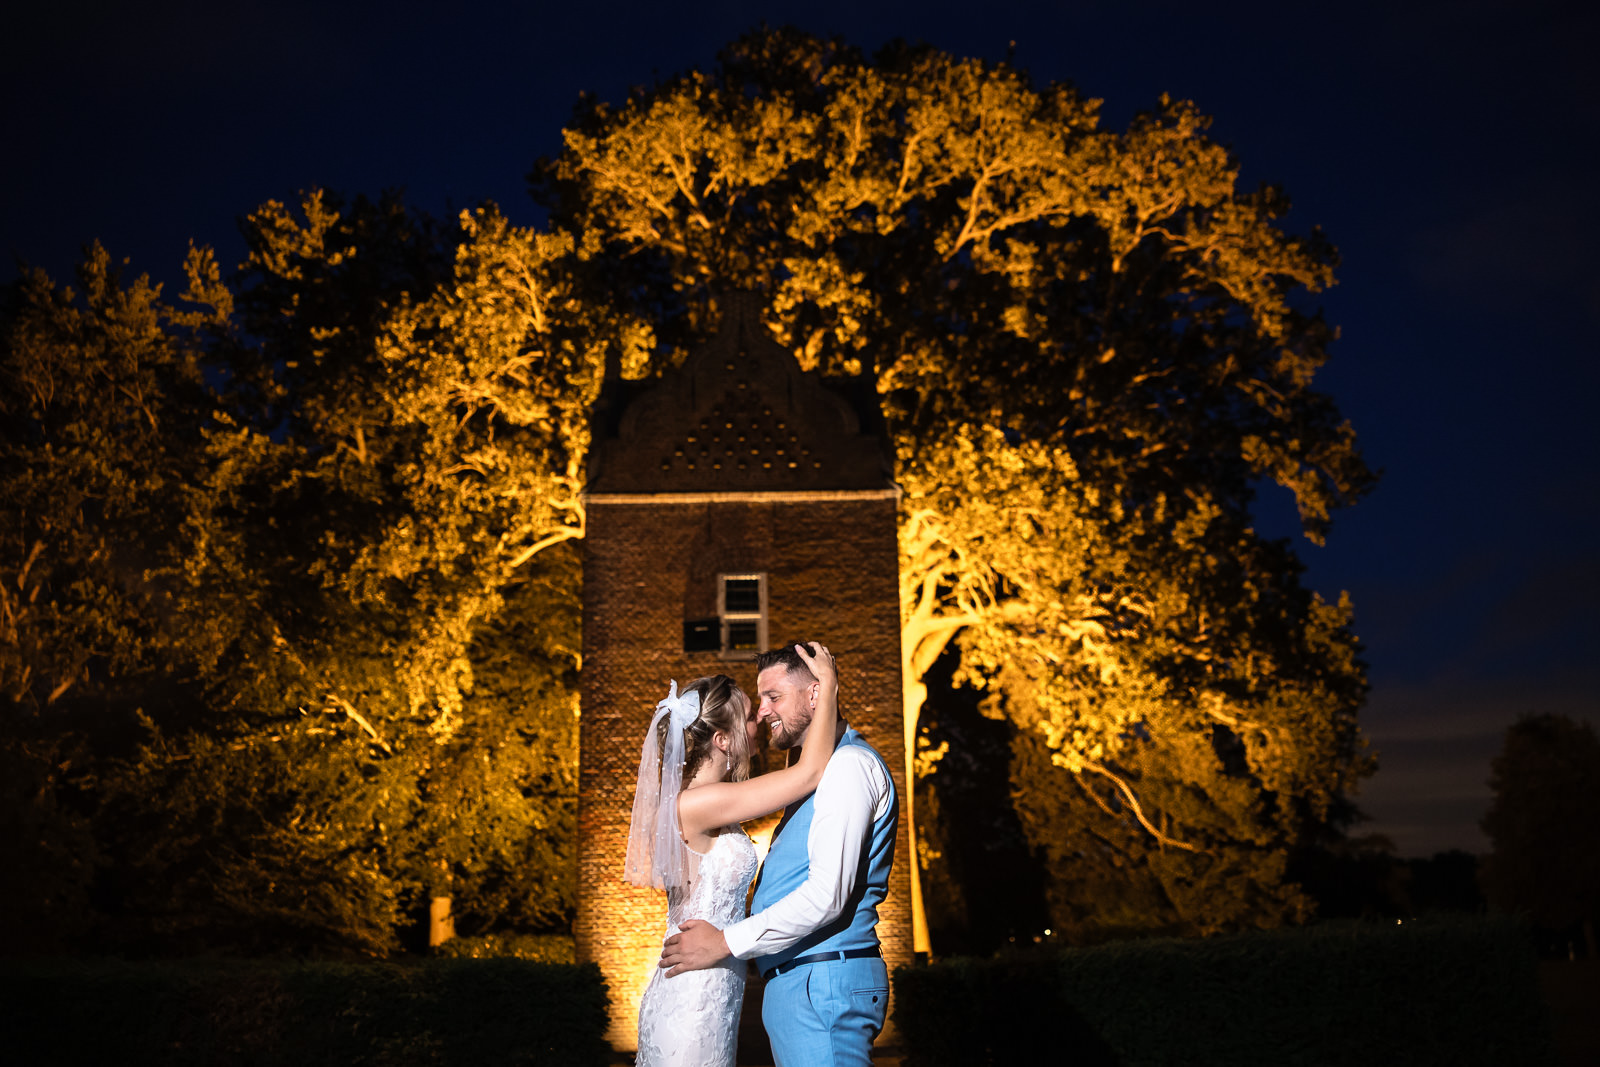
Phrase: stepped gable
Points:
(739, 416)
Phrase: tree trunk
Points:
(915, 694)
(441, 922)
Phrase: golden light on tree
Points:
(344, 689)
(305, 539)
(1088, 354)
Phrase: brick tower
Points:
(733, 503)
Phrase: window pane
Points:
(743, 636)
(741, 595)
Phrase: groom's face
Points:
(785, 706)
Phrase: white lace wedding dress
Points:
(693, 1020)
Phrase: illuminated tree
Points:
(1089, 350)
(435, 406)
(97, 448)
(291, 575)
(99, 441)
(315, 534)
(1542, 824)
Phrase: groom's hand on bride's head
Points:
(695, 947)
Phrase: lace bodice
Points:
(693, 1020)
(718, 893)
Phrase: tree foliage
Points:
(336, 500)
(1091, 352)
(98, 448)
(290, 602)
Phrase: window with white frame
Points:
(742, 610)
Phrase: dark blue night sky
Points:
(1447, 148)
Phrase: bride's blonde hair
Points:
(657, 855)
(723, 706)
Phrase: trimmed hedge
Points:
(499, 1011)
(1434, 992)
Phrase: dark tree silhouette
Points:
(1544, 824)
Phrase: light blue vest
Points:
(787, 865)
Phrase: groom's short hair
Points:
(786, 657)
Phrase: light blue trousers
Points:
(826, 1013)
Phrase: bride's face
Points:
(752, 724)
(785, 707)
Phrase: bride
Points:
(693, 791)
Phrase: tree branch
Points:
(58, 691)
(1138, 811)
(566, 533)
(27, 565)
(360, 720)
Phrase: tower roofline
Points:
(739, 416)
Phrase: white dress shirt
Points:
(853, 794)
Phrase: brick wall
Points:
(832, 576)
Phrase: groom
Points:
(813, 932)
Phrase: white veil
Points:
(657, 855)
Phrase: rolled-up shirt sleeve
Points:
(853, 792)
